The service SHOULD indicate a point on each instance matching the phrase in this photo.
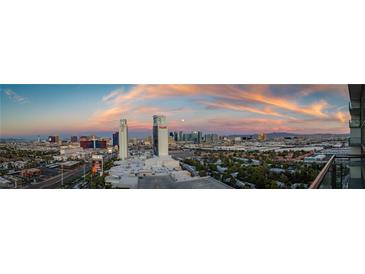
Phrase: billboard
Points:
(97, 166)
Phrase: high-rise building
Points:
(123, 139)
(147, 140)
(176, 136)
(116, 139)
(237, 139)
(134, 141)
(160, 136)
(93, 144)
(100, 144)
(261, 137)
(194, 136)
(54, 139)
(171, 140)
(211, 138)
(73, 139)
(84, 138)
(200, 137)
(87, 144)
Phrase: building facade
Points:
(211, 138)
(116, 139)
(357, 132)
(93, 144)
(160, 136)
(74, 139)
(54, 139)
(357, 112)
(123, 139)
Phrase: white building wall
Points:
(163, 142)
(162, 136)
(123, 139)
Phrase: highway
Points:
(55, 181)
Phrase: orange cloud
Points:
(339, 89)
(342, 116)
(258, 99)
(254, 93)
(265, 111)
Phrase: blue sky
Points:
(227, 109)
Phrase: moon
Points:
(183, 120)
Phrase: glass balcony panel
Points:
(327, 181)
(349, 173)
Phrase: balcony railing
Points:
(341, 171)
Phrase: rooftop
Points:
(166, 182)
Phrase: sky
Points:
(28, 110)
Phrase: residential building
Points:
(160, 136)
(123, 139)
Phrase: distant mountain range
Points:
(272, 135)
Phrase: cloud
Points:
(232, 106)
(221, 94)
(108, 115)
(269, 101)
(342, 116)
(310, 89)
(139, 116)
(110, 96)
(13, 96)
(265, 97)
(213, 108)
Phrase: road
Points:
(55, 182)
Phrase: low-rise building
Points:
(31, 172)
(70, 164)
(5, 183)
(320, 158)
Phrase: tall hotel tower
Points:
(160, 136)
(123, 139)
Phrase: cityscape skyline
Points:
(29, 110)
(178, 159)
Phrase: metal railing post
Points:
(341, 173)
(333, 175)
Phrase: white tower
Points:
(123, 139)
(160, 136)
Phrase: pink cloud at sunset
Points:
(211, 101)
(209, 108)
